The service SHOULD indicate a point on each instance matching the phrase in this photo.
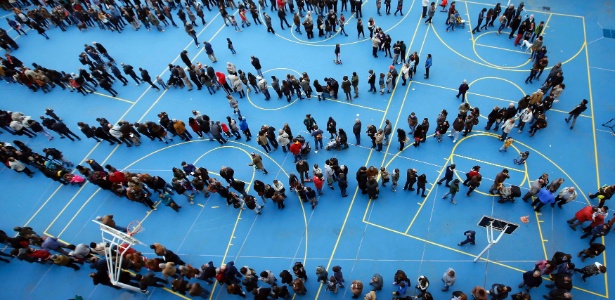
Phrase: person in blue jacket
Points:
(543, 197)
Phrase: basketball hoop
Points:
(133, 228)
(119, 242)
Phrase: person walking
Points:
(470, 238)
(146, 78)
(257, 162)
(481, 17)
(575, 112)
(454, 188)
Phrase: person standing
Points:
(356, 129)
(463, 89)
(256, 64)
(428, 64)
(566, 195)
(210, 51)
(268, 21)
(19, 167)
(425, 3)
(575, 112)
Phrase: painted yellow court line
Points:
(77, 194)
(403, 103)
(418, 211)
(466, 253)
(489, 163)
(121, 118)
(367, 161)
(491, 65)
(593, 122)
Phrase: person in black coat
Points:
(361, 177)
(343, 138)
(372, 188)
(401, 138)
(420, 185)
(448, 175)
(410, 179)
(185, 59)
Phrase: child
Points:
(522, 157)
(316, 170)
(332, 285)
(384, 175)
(507, 144)
(389, 82)
(322, 274)
(74, 179)
(166, 199)
(230, 45)
(337, 52)
(381, 83)
(234, 24)
(161, 83)
(395, 178)
(339, 277)
(225, 129)
(311, 196)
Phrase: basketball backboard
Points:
(497, 224)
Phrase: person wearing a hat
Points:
(257, 162)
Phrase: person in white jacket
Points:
(524, 117)
(506, 128)
(405, 73)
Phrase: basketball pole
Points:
(490, 240)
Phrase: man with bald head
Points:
(566, 195)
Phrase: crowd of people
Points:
(101, 70)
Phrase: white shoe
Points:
(454, 141)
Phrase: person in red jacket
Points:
(295, 149)
(117, 177)
(318, 183)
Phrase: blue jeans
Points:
(316, 142)
(357, 136)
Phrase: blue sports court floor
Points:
(400, 230)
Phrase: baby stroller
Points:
(459, 22)
(509, 193)
(305, 146)
(334, 144)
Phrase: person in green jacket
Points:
(452, 191)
